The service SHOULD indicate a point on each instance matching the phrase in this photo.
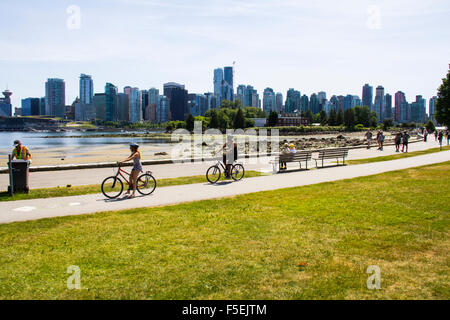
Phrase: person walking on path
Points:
(440, 138)
(398, 141)
(405, 139)
(447, 133)
(435, 135)
(20, 152)
(368, 136)
(137, 168)
(425, 135)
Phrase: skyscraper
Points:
(228, 77)
(111, 111)
(86, 89)
(387, 106)
(55, 97)
(152, 108)
(399, 100)
(135, 105)
(432, 108)
(378, 105)
(367, 96)
(418, 110)
(163, 112)
(269, 100)
(279, 102)
(304, 103)
(223, 84)
(314, 103)
(123, 107)
(292, 101)
(178, 100)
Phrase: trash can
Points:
(20, 175)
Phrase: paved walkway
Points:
(51, 179)
(76, 205)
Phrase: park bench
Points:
(299, 156)
(332, 154)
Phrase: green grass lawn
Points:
(398, 156)
(92, 189)
(248, 246)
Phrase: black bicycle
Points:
(214, 173)
(112, 187)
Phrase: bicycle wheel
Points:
(112, 187)
(213, 174)
(146, 184)
(237, 172)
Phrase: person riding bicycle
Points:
(230, 155)
(137, 167)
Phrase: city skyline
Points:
(332, 47)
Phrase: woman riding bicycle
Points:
(137, 167)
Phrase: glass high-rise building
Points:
(432, 108)
(163, 113)
(367, 96)
(378, 105)
(111, 111)
(398, 111)
(135, 105)
(269, 100)
(279, 102)
(387, 106)
(314, 104)
(292, 101)
(55, 97)
(5, 104)
(31, 106)
(86, 89)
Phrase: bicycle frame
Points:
(120, 172)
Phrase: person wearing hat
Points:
(286, 151)
(20, 152)
(137, 168)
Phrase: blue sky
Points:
(332, 46)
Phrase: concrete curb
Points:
(4, 170)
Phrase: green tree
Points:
(332, 117)
(340, 118)
(214, 122)
(443, 102)
(310, 117)
(349, 118)
(362, 115)
(239, 120)
(387, 124)
(190, 123)
(430, 126)
(272, 119)
(373, 120)
(323, 118)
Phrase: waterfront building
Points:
(123, 107)
(31, 106)
(178, 100)
(100, 106)
(5, 104)
(55, 97)
(348, 102)
(86, 89)
(304, 103)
